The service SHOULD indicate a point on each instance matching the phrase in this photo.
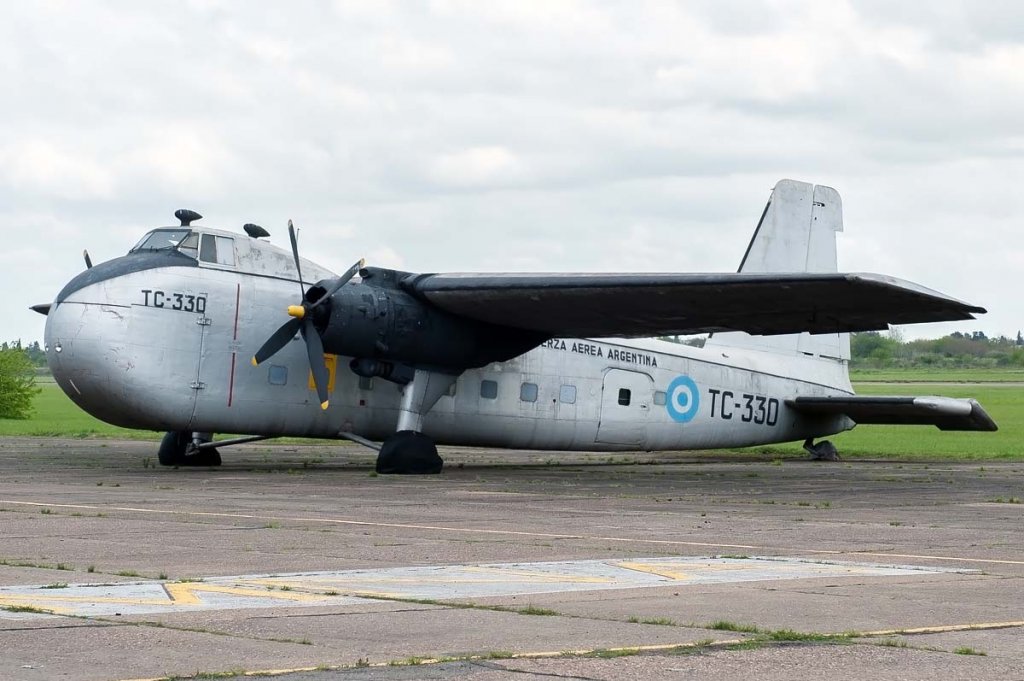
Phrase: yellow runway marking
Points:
(650, 648)
(177, 594)
(184, 593)
(426, 583)
(947, 628)
(541, 577)
(21, 599)
(659, 570)
(515, 533)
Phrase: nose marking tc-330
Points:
(310, 589)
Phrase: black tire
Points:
(176, 450)
(172, 448)
(409, 453)
(201, 457)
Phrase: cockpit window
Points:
(161, 240)
(217, 249)
(190, 245)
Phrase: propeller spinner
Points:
(302, 322)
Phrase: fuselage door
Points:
(220, 349)
(625, 408)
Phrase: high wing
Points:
(945, 413)
(637, 305)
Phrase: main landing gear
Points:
(408, 451)
(181, 448)
(822, 451)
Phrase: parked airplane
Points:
(161, 339)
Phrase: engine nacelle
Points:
(378, 319)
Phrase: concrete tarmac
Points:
(299, 560)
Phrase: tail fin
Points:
(797, 233)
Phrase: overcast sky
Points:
(539, 136)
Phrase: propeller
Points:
(88, 260)
(302, 322)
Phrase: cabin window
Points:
(219, 250)
(625, 394)
(528, 392)
(365, 383)
(659, 398)
(489, 389)
(278, 375)
(567, 394)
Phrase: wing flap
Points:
(945, 413)
(636, 305)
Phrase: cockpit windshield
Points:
(161, 240)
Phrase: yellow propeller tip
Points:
(254, 362)
(323, 405)
(362, 262)
(296, 311)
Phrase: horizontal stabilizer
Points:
(945, 413)
(636, 305)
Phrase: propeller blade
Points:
(339, 282)
(315, 350)
(88, 260)
(295, 254)
(277, 341)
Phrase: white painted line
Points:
(521, 533)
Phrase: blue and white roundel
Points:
(682, 399)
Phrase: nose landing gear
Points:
(179, 448)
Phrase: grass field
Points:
(938, 375)
(57, 416)
(1004, 403)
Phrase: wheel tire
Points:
(202, 457)
(409, 453)
(172, 448)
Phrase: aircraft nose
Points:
(81, 342)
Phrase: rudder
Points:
(796, 233)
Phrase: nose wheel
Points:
(178, 448)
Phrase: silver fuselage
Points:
(169, 348)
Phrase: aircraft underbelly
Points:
(542, 400)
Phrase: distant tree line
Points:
(975, 350)
(32, 351)
(874, 350)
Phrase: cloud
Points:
(476, 167)
(461, 136)
(39, 167)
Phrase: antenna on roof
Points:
(187, 216)
(255, 231)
